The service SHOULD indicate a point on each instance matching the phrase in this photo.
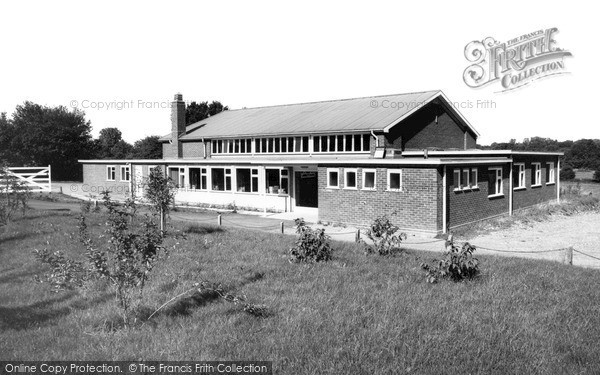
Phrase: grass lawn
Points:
(355, 314)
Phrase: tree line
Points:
(39, 135)
(580, 154)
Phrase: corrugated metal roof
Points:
(346, 115)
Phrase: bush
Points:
(567, 173)
(385, 237)
(458, 264)
(14, 195)
(311, 246)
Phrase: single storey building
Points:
(412, 156)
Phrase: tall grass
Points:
(355, 314)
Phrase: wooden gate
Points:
(35, 178)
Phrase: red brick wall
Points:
(469, 205)
(416, 206)
(420, 131)
(94, 181)
(533, 195)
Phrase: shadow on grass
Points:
(203, 229)
(14, 237)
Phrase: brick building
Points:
(348, 161)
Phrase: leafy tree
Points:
(110, 145)
(585, 153)
(39, 135)
(148, 148)
(195, 112)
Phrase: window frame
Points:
(498, 190)
(521, 175)
(351, 170)
(457, 179)
(364, 172)
(114, 172)
(400, 185)
(474, 182)
(333, 170)
(551, 172)
(123, 167)
(537, 173)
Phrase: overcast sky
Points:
(137, 55)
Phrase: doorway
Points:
(307, 189)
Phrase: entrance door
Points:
(307, 192)
(138, 180)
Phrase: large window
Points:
(333, 178)
(495, 184)
(221, 179)
(394, 179)
(125, 173)
(247, 180)
(198, 178)
(519, 176)
(277, 180)
(281, 145)
(536, 174)
(350, 178)
(341, 143)
(111, 173)
(465, 178)
(369, 179)
(550, 174)
(232, 146)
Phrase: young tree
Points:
(160, 192)
(14, 195)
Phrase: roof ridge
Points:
(332, 100)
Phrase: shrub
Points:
(14, 195)
(385, 237)
(567, 173)
(312, 245)
(596, 177)
(458, 264)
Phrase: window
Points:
(247, 180)
(550, 174)
(221, 179)
(466, 178)
(125, 173)
(277, 180)
(369, 178)
(536, 174)
(394, 178)
(495, 181)
(333, 178)
(474, 182)
(519, 176)
(178, 176)
(350, 178)
(111, 173)
(457, 182)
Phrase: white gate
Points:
(35, 178)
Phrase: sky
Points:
(122, 62)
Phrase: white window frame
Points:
(538, 174)
(498, 183)
(551, 173)
(351, 170)
(124, 167)
(522, 179)
(474, 181)
(457, 173)
(466, 172)
(332, 170)
(389, 173)
(364, 172)
(114, 172)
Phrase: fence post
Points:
(568, 256)
(281, 225)
(219, 220)
(357, 235)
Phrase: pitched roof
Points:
(377, 113)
